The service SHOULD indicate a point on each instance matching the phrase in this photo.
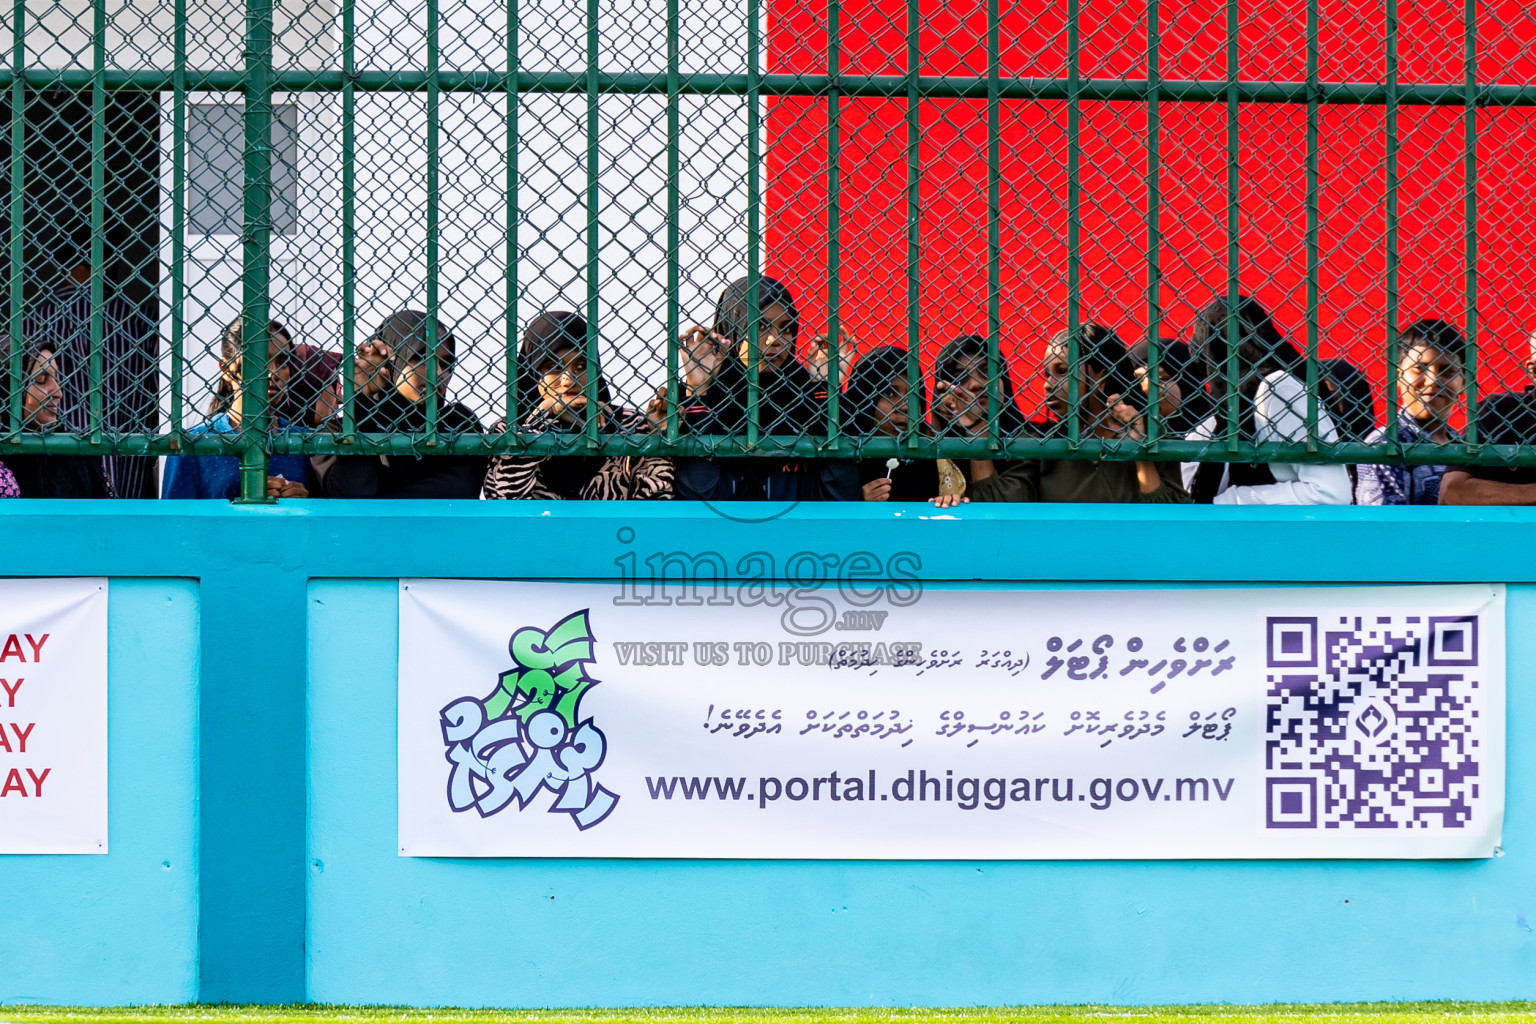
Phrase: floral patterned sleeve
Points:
(8, 485)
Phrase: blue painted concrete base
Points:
(122, 928)
(252, 766)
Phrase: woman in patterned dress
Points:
(552, 385)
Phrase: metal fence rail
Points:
(913, 171)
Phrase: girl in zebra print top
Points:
(552, 382)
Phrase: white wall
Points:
(551, 230)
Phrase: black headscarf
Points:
(1177, 364)
(1259, 340)
(405, 333)
(732, 314)
(949, 370)
(871, 379)
(546, 337)
(1351, 406)
(790, 400)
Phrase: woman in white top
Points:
(1272, 406)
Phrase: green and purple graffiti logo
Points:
(528, 734)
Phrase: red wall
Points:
(1193, 179)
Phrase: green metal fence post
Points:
(256, 256)
(1074, 227)
(754, 227)
(1234, 337)
(1393, 441)
(995, 367)
(179, 222)
(1154, 230)
(514, 101)
(674, 204)
(1469, 156)
(18, 207)
(914, 228)
(348, 219)
(834, 218)
(98, 218)
(1314, 217)
(594, 222)
(434, 114)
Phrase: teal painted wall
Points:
(278, 771)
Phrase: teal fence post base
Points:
(251, 836)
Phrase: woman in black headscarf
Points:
(48, 408)
(878, 392)
(390, 381)
(1347, 395)
(552, 385)
(960, 408)
(1178, 365)
(790, 402)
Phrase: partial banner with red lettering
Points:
(866, 714)
(53, 716)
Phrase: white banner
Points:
(914, 722)
(53, 716)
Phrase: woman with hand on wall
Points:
(218, 476)
(552, 384)
(390, 381)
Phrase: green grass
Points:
(1345, 1013)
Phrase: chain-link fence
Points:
(1274, 230)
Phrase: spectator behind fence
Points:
(791, 402)
(60, 322)
(1177, 365)
(390, 384)
(218, 476)
(1346, 394)
(552, 387)
(818, 362)
(1502, 419)
(1111, 393)
(1429, 386)
(961, 406)
(1272, 407)
(45, 402)
(876, 401)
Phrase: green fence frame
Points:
(259, 79)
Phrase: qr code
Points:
(1373, 721)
